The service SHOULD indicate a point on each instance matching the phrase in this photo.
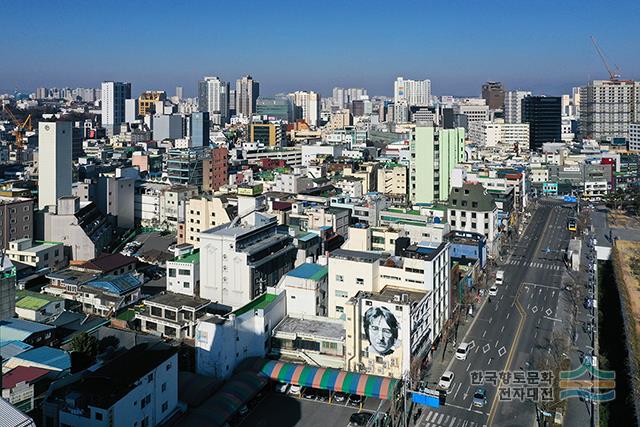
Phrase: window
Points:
(341, 294)
(165, 406)
(339, 278)
(359, 281)
(164, 387)
(156, 311)
(98, 416)
(184, 272)
(172, 272)
(150, 377)
(339, 309)
(185, 285)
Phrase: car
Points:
(309, 393)
(360, 418)
(462, 351)
(282, 388)
(445, 380)
(339, 397)
(480, 397)
(243, 411)
(294, 389)
(355, 400)
(493, 291)
(499, 277)
(322, 395)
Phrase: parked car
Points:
(462, 351)
(309, 393)
(493, 291)
(339, 397)
(480, 397)
(445, 380)
(355, 400)
(322, 395)
(243, 411)
(294, 389)
(282, 388)
(359, 419)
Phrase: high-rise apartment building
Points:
(213, 97)
(493, 93)
(55, 146)
(434, 154)
(608, 107)
(309, 104)
(513, 105)
(179, 92)
(113, 96)
(412, 92)
(544, 115)
(344, 97)
(247, 92)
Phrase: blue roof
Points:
(307, 237)
(18, 329)
(309, 271)
(116, 284)
(47, 356)
(8, 349)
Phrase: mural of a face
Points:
(381, 329)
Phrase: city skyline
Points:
(309, 48)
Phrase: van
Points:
(499, 277)
(462, 351)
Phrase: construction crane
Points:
(615, 76)
(20, 127)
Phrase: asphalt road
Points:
(514, 325)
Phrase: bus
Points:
(572, 224)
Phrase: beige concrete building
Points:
(203, 213)
(36, 254)
(392, 179)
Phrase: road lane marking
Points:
(502, 329)
(553, 319)
(468, 367)
(484, 333)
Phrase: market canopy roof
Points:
(330, 379)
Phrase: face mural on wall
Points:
(381, 329)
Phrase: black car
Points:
(355, 400)
(309, 393)
(322, 395)
(360, 418)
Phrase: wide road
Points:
(506, 329)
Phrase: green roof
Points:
(127, 315)
(257, 304)
(192, 258)
(33, 300)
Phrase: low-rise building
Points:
(172, 315)
(138, 387)
(18, 386)
(38, 254)
(26, 331)
(37, 307)
(183, 274)
(306, 289)
(202, 213)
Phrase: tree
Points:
(85, 344)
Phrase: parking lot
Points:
(287, 410)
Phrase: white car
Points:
(499, 277)
(294, 389)
(282, 387)
(462, 351)
(445, 380)
(493, 291)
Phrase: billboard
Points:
(382, 331)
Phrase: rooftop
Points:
(18, 329)
(390, 294)
(178, 300)
(47, 356)
(359, 256)
(309, 271)
(312, 326)
(116, 284)
(109, 262)
(192, 258)
(22, 373)
(33, 301)
(257, 304)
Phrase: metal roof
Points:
(310, 271)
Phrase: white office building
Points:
(513, 105)
(55, 164)
(309, 102)
(114, 95)
(213, 96)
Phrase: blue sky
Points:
(541, 45)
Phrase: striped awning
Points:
(329, 379)
(235, 393)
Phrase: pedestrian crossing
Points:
(436, 419)
(535, 264)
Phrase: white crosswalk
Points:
(535, 264)
(437, 419)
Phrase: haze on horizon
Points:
(543, 46)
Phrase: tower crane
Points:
(20, 127)
(613, 74)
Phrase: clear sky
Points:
(541, 45)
